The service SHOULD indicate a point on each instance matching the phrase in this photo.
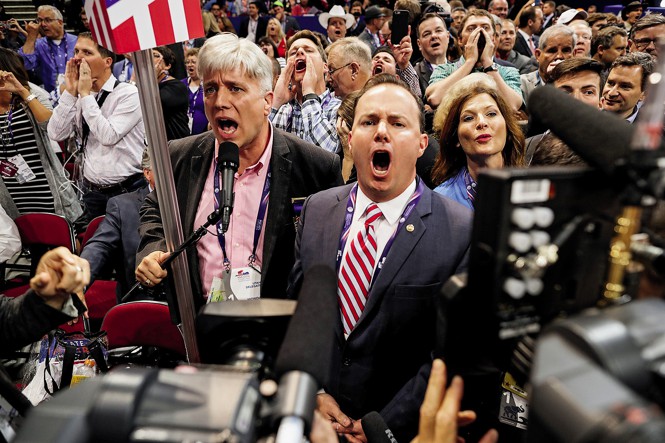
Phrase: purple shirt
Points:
(196, 109)
(50, 59)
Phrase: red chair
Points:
(43, 231)
(40, 232)
(90, 230)
(143, 323)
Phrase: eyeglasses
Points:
(645, 42)
(332, 71)
(47, 20)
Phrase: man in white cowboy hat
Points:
(336, 23)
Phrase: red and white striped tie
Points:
(355, 272)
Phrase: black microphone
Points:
(603, 139)
(376, 430)
(227, 162)
(304, 359)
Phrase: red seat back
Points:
(142, 323)
(45, 230)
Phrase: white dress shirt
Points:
(10, 240)
(385, 226)
(116, 140)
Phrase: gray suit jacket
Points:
(529, 82)
(384, 364)
(524, 64)
(299, 169)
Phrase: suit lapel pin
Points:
(410, 228)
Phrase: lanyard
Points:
(193, 96)
(350, 208)
(260, 217)
(55, 60)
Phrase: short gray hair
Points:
(556, 30)
(226, 51)
(352, 49)
(48, 8)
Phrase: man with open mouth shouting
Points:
(394, 243)
(303, 105)
(255, 255)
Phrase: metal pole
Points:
(151, 107)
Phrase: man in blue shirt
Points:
(48, 55)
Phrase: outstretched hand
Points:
(60, 274)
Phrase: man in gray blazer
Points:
(385, 336)
(556, 44)
(275, 167)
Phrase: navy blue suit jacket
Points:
(116, 240)
(385, 362)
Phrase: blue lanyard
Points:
(260, 217)
(193, 96)
(348, 219)
(55, 60)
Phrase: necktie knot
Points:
(372, 214)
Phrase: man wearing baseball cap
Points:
(374, 19)
(336, 23)
(289, 24)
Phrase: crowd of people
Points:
(384, 139)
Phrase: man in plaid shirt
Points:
(302, 104)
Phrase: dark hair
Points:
(385, 49)
(605, 37)
(268, 41)
(383, 79)
(642, 59)
(167, 55)
(426, 17)
(12, 62)
(552, 151)
(105, 53)
(309, 35)
(648, 21)
(576, 65)
(451, 158)
(527, 14)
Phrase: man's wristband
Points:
(491, 68)
(311, 96)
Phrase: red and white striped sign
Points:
(130, 25)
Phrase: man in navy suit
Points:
(381, 363)
(254, 26)
(116, 240)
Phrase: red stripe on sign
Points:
(107, 39)
(160, 15)
(96, 24)
(126, 38)
(194, 18)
